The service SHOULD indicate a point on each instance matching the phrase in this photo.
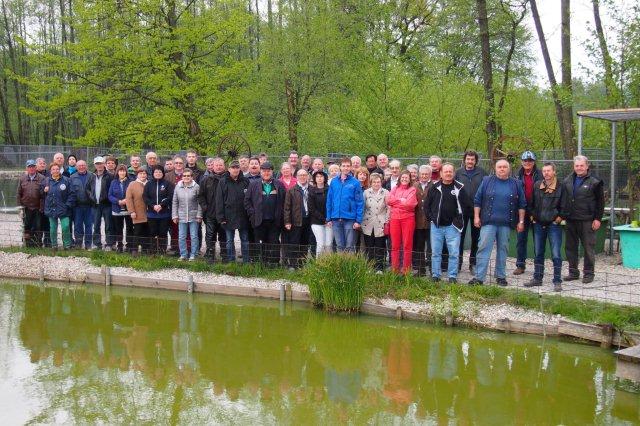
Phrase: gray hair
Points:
(435, 157)
(413, 168)
(209, 160)
(425, 169)
(580, 158)
(394, 163)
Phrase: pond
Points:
(91, 354)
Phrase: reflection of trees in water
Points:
(127, 358)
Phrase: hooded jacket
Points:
(60, 199)
(344, 200)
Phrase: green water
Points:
(90, 354)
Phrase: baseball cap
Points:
(234, 163)
(266, 165)
(98, 159)
(528, 155)
(31, 163)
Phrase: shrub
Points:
(337, 281)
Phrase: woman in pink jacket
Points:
(402, 200)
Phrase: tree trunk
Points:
(568, 131)
(487, 74)
(292, 114)
(613, 95)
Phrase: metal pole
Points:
(579, 135)
(612, 214)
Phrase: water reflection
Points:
(123, 356)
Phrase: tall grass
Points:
(337, 282)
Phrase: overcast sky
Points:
(582, 29)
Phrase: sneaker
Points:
(557, 287)
(518, 271)
(378, 272)
(475, 281)
(533, 283)
(571, 277)
(453, 281)
(435, 279)
(107, 248)
(587, 279)
(502, 282)
(182, 259)
(192, 258)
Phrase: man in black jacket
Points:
(545, 216)
(583, 208)
(528, 175)
(207, 198)
(98, 193)
(230, 211)
(470, 175)
(264, 202)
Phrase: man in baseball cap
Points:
(30, 199)
(528, 175)
(98, 160)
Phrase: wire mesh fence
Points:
(612, 284)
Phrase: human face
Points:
(285, 170)
(209, 166)
(82, 167)
(152, 159)
(345, 168)
(135, 162)
(72, 161)
(293, 160)
(425, 176)
(502, 169)
(234, 172)
(244, 163)
(157, 174)
(334, 169)
(470, 162)
(376, 184)
(41, 165)
(395, 170)
(111, 165)
(580, 167)
(414, 175)
(178, 164)
(55, 171)
(168, 166)
(318, 165)
(363, 177)
(187, 178)
(262, 159)
(447, 174)
(405, 179)
(371, 163)
(31, 170)
(254, 166)
(122, 174)
(319, 179)
(383, 161)
(218, 166)
(548, 173)
(266, 174)
(306, 161)
(99, 167)
(527, 165)
(356, 162)
(192, 158)
(58, 159)
(435, 164)
(303, 177)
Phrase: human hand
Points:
(520, 227)
(595, 225)
(476, 222)
(287, 226)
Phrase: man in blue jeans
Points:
(230, 211)
(528, 175)
(345, 205)
(82, 212)
(545, 216)
(499, 206)
(98, 192)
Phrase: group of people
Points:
(419, 215)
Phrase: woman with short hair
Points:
(402, 200)
(374, 218)
(118, 197)
(158, 196)
(138, 209)
(59, 201)
(186, 212)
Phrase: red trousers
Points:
(401, 231)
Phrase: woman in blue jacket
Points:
(121, 216)
(158, 196)
(58, 205)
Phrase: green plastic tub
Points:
(630, 245)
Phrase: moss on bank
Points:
(386, 285)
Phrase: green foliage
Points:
(337, 281)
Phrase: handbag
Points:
(386, 229)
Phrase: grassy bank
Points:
(387, 285)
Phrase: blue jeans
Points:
(440, 235)
(83, 225)
(488, 235)
(344, 234)
(540, 234)
(102, 212)
(192, 228)
(521, 244)
(231, 245)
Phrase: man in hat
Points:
(264, 202)
(98, 192)
(82, 211)
(30, 199)
(528, 175)
(230, 211)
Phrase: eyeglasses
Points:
(178, 162)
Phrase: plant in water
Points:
(337, 281)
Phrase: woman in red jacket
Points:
(402, 200)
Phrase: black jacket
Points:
(318, 205)
(253, 202)
(158, 192)
(433, 205)
(588, 201)
(207, 194)
(104, 189)
(545, 206)
(230, 202)
(471, 184)
(537, 175)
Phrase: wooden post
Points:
(607, 335)
(190, 284)
(399, 312)
(42, 275)
(448, 318)
(282, 293)
(289, 295)
(107, 276)
(506, 323)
